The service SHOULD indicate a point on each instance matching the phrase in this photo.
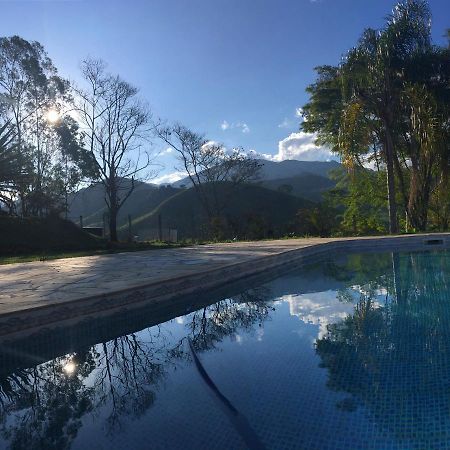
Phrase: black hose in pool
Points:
(238, 420)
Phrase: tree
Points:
(372, 74)
(360, 195)
(214, 172)
(10, 166)
(425, 131)
(317, 221)
(114, 124)
(366, 111)
(30, 88)
(74, 164)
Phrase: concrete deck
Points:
(59, 289)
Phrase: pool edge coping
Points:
(165, 290)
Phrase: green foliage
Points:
(361, 198)
(324, 109)
(11, 170)
(256, 213)
(320, 220)
(51, 162)
(388, 103)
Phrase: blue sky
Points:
(235, 69)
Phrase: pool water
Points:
(350, 353)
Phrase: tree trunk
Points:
(417, 204)
(113, 225)
(113, 208)
(443, 196)
(419, 187)
(389, 152)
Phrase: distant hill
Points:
(269, 203)
(291, 168)
(90, 202)
(307, 185)
(256, 212)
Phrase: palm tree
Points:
(373, 78)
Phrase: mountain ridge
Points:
(304, 181)
(271, 170)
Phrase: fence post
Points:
(160, 228)
(129, 228)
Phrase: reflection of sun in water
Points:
(52, 115)
(70, 368)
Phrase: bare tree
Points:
(214, 172)
(114, 122)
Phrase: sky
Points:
(235, 70)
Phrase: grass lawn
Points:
(55, 254)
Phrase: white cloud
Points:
(242, 126)
(267, 156)
(169, 178)
(301, 146)
(289, 122)
(167, 151)
(285, 124)
(211, 144)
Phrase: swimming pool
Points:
(347, 353)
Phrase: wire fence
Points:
(154, 233)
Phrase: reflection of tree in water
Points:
(43, 406)
(211, 324)
(370, 271)
(394, 357)
(126, 368)
(48, 402)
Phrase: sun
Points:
(52, 116)
(70, 368)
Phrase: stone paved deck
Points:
(39, 285)
(32, 284)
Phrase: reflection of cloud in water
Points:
(259, 334)
(378, 296)
(321, 309)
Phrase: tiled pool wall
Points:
(105, 325)
(172, 293)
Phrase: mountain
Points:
(307, 185)
(266, 206)
(258, 213)
(291, 168)
(271, 170)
